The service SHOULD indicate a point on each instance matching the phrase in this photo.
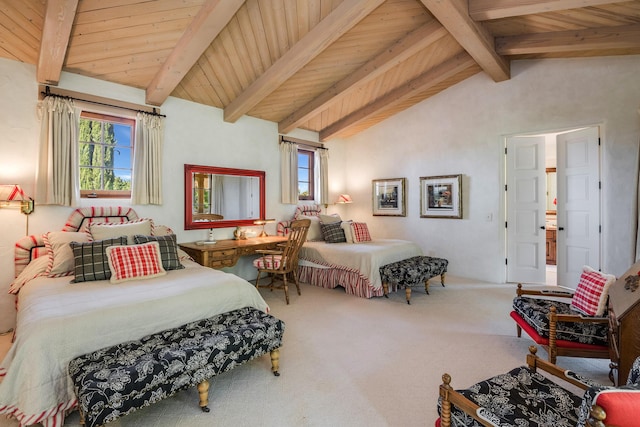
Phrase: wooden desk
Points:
(225, 253)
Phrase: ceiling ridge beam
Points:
(327, 31)
(56, 31)
(401, 50)
(212, 18)
(471, 35)
(483, 10)
(426, 80)
(622, 37)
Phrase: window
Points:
(305, 175)
(106, 155)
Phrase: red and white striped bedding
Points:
(355, 266)
(58, 321)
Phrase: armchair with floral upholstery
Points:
(567, 323)
(524, 397)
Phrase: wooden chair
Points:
(547, 318)
(524, 396)
(283, 262)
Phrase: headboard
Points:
(283, 227)
(31, 247)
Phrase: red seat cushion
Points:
(271, 262)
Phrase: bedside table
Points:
(225, 253)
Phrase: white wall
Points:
(458, 131)
(462, 130)
(194, 134)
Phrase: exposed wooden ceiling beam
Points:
(207, 24)
(338, 22)
(401, 50)
(56, 31)
(431, 78)
(472, 36)
(623, 37)
(482, 10)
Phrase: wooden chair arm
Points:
(450, 396)
(543, 292)
(535, 363)
(574, 318)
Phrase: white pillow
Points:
(61, 260)
(329, 219)
(348, 234)
(108, 230)
(314, 233)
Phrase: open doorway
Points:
(552, 206)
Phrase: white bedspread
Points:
(58, 321)
(366, 257)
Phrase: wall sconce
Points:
(13, 196)
(262, 222)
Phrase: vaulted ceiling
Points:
(332, 66)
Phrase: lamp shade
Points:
(344, 198)
(11, 193)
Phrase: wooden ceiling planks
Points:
(362, 72)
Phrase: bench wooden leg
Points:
(442, 279)
(203, 392)
(426, 286)
(385, 289)
(407, 291)
(275, 362)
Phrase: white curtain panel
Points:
(146, 186)
(217, 195)
(289, 173)
(323, 157)
(57, 175)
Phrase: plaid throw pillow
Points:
(591, 294)
(332, 233)
(135, 262)
(360, 232)
(90, 259)
(168, 249)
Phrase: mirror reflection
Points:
(222, 197)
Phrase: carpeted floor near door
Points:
(348, 361)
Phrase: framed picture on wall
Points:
(389, 197)
(441, 196)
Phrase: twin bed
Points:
(353, 266)
(58, 320)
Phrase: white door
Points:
(578, 209)
(526, 208)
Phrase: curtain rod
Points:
(100, 101)
(303, 142)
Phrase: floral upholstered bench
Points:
(411, 272)
(115, 381)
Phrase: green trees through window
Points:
(105, 154)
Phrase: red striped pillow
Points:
(135, 262)
(591, 294)
(360, 232)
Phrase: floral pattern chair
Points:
(524, 397)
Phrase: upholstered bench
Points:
(413, 271)
(115, 381)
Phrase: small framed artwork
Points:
(389, 197)
(441, 196)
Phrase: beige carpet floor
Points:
(348, 361)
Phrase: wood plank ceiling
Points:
(332, 66)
